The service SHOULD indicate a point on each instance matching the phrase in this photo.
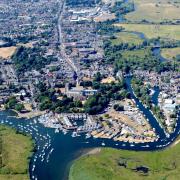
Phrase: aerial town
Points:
(53, 64)
(89, 89)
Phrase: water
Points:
(155, 95)
(154, 123)
(157, 52)
(139, 34)
(58, 150)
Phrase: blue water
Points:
(157, 53)
(66, 148)
(155, 95)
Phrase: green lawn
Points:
(15, 150)
(126, 37)
(170, 53)
(169, 32)
(155, 11)
(105, 165)
(142, 53)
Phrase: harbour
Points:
(55, 151)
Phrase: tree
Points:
(19, 107)
(118, 107)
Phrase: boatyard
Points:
(50, 144)
(77, 82)
(129, 125)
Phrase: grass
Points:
(170, 53)
(105, 17)
(126, 37)
(6, 52)
(15, 150)
(155, 11)
(104, 165)
(170, 32)
(141, 53)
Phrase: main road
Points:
(60, 38)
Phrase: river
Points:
(58, 150)
(55, 151)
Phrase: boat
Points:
(56, 130)
(64, 131)
(88, 135)
(74, 134)
(52, 150)
(103, 144)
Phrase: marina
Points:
(58, 143)
(56, 150)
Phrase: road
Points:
(63, 52)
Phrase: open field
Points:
(15, 150)
(6, 52)
(170, 53)
(141, 53)
(154, 31)
(108, 80)
(126, 37)
(105, 17)
(155, 11)
(121, 165)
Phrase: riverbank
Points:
(176, 142)
(112, 164)
(15, 152)
(92, 151)
(27, 115)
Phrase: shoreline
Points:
(29, 115)
(176, 142)
(84, 153)
(31, 149)
(92, 151)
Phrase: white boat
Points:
(103, 144)
(74, 134)
(64, 131)
(88, 135)
(56, 130)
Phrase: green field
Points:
(170, 53)
(112, 164)
(141, 53)
(15, 150)
(169, 32)
(126, 37)
(155, 11)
